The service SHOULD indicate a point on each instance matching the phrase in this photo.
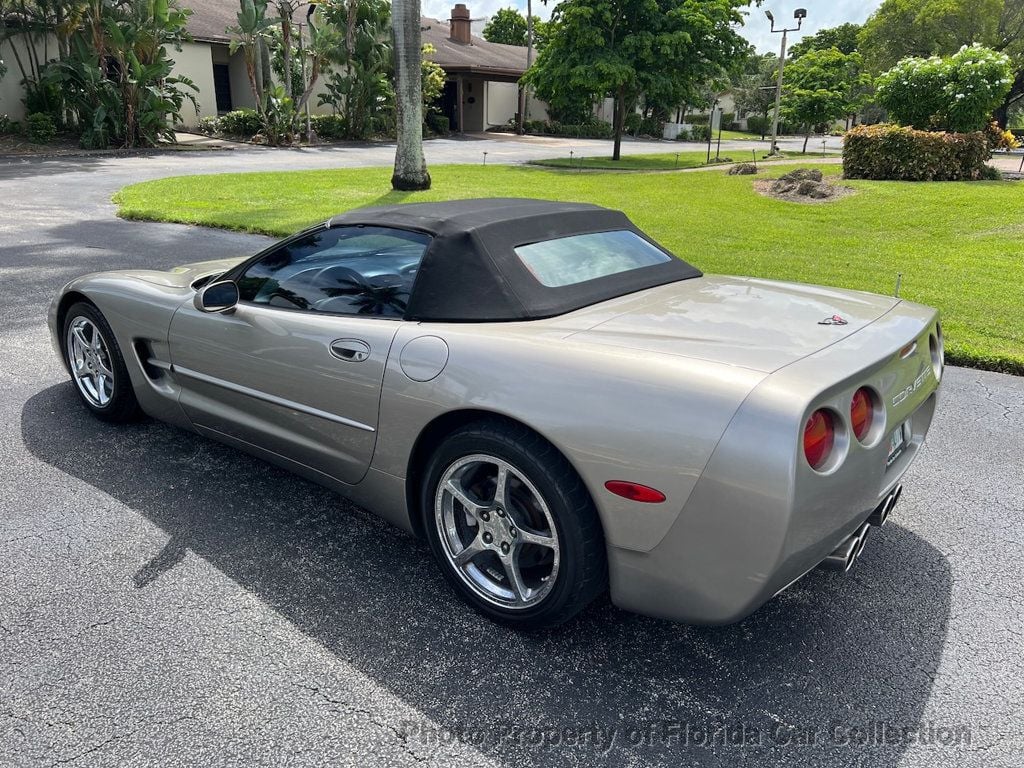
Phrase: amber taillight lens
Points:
(819, 438)
(862, 412)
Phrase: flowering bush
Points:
(957, 93)
(904, 154)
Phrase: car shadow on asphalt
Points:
(813, 677)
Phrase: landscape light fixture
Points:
(799, 14)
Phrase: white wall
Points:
(195, 61)
(241, 89)
(502, 103)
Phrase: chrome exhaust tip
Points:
(882, 512)
(845, 555)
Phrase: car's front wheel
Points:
(97, 366)
(512, 526)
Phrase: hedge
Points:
(242, 122)
(889, 152)
(597, 129)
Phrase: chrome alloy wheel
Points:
(497, 531)
(90, 361)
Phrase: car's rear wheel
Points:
(512, 526)
(97, 366)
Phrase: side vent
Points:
(154, 368)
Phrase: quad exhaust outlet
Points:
(846, 554)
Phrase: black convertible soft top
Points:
(470, 271)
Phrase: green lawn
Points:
(958, 245)
(740, 136)
(662, 161)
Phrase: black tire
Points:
(582, 573)
(122, 405)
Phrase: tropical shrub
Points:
(278, 124)
(330, 127)
(359, 89)
(40, 128)
(904, 154)
(652, 126)
(759, 124)
(9, 127)
(439, 124)
(244, 123)
(957, 93)
(700, 133)
(999, 138)
(116, 79)
(209, 125)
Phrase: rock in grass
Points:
(743, 169)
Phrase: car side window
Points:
(343, 270)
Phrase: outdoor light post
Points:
(800, 14)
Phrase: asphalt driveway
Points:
(168, 601)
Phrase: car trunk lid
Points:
(757, 324)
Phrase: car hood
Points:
(184, 275)
(757, 324)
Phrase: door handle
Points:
(350, 350)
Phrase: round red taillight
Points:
(819, 438)
(862, 412)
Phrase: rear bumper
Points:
(759, 518)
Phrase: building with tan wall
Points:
(480, 91)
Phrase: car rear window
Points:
(579, 258)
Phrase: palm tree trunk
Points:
(619, 119)
(410, 166)
(285, 10)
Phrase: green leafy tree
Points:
(754, 90)
(628, 48)
(920, 28)
(250, 36)
(821, 87)
(956, 93)
(432, 78)
(843, 38)
(923, 28)
(507, 26)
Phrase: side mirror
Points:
(221, 297)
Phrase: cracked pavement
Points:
(168, 601)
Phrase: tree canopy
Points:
(924, 28)
(507, 26)
(754, 90)
(663, 50)
(843, 38)
(823, 86)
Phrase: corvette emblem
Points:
(834, 320)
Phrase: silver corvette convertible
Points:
(555, 402)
